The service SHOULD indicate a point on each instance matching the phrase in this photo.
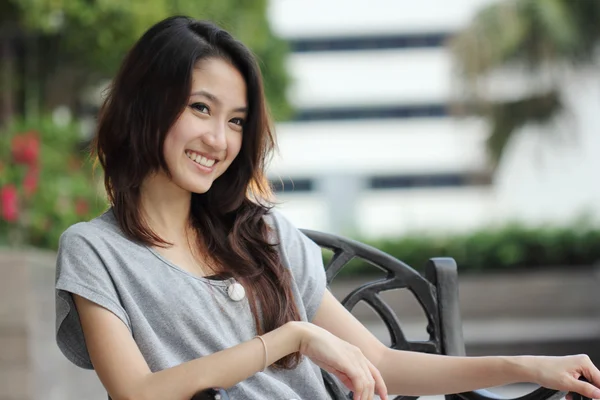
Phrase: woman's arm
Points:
(414, 374)
(428, 374)
(126, 375)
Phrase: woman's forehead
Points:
(220, 82)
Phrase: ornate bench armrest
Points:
(211, 394)
(540, 393)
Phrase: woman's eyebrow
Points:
(216, 100)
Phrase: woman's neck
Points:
(166, 207)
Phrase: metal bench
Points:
(437, 293)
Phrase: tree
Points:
(77, 43)
(537, 37)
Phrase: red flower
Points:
(81, 207)
(31, 180)
(26, 148)
(9, 203)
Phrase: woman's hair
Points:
(147, 96)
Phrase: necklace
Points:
(236, 291)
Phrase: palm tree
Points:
(538, 38)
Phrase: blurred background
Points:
(461, 128)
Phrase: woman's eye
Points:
(237, 121)
(203, 108)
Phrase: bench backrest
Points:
(436, 291)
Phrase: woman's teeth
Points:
(197, 158)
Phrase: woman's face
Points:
(207, 137)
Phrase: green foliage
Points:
(91, 37)
(85, 42)
(535, 37)
(533, 32)
(508, 116)
(67, 189)
(508, 248)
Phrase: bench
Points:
(437, 293)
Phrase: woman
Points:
(191, 281)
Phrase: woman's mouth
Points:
(200, 159)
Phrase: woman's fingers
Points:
(360, 385)
(365, 381)
(365, 389)
(345, 361)
(368, 388)
(592, 374)
(380, 387)
(369, 381)
(585, 389)
(589, 376)
(352, 377)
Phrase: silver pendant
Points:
(236, 292)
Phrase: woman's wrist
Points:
(299, 332)
(521, 369)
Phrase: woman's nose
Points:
(216, 138)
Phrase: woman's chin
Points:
(199, 189)
(196, 186)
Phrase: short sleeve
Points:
(305, 259)
(80, 270)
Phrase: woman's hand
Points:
(563, 373)
(343, 360)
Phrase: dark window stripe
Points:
(427, 181)
(385, 112)
(425, 40)
(292, 185)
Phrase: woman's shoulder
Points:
(276, 220)
(288, 236)
(90, 233)
(282, 229)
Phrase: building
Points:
(373, 150)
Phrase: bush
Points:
(47, 183)
(510, 248)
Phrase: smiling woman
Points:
(191, 281)
(209, 131)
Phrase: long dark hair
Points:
(146, 97)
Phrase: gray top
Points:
(175, 316)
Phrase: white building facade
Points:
(373, 151)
